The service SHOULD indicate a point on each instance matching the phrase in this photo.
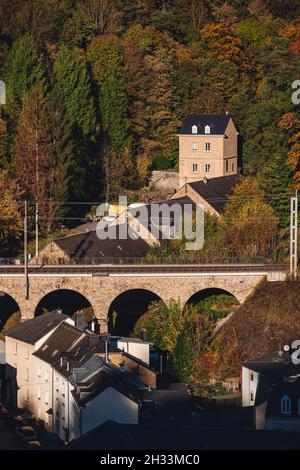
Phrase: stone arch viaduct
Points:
(101, 285)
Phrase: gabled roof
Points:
(71, 342)
(31, 331)
(215, 191)
(89, 245)
(217, 122)
(277, 363)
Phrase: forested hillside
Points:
(97, 89)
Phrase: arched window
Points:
(207, 129)
(285, 405)
(194, 129)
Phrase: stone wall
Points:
(100, 291)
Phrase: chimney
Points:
(143, 334)
(95, 326)
(205, 180)
(80, 320)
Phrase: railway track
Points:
(142, 269)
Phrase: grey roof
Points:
(217, 122)
(216, 191)
(71, 342)
(98, 375)
(277, 363)
(89, 245)
(31, 331)
(83, 365)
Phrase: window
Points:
(207, 146)
(27, 394)
(15, 348)
(39, 394)
(27, 353)
(27, 373)
(232, 167)
(195, 168)
(251, 376)
(195, 146)
(39, 372)
(207, 168)
(207, 130)
(251, 396)
(46, 375)
(46, 398)
(194, 130)
(285, 405)
(227, 166)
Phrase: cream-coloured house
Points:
(26, 373)
(208, 147)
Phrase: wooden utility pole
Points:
(294, 237)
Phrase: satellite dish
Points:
(286, 348)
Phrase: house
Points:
(259, 376)
(283, 409)
(93, 381)
(211, 193)
(88, 248)
(208, 147)
(72, 379)
(28, 380)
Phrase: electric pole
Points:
(37, 177)
(26, 281)
(294, 237)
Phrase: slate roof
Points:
(275, 363)
(86, 370)
(88, 245)
(217, 122)
(216, 191)
(31, 331)
(155, 208)
(72, 343)
(97, 375)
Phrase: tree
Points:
(62, 155)
(105, 56)
(23, 70)
(71, 82)
(291, 123)
(163, 323)
(33, 154)
(11, 221)
(104, 14)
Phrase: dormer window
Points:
(194, 129)
(207, 130)
(285, 405)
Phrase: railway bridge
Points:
(102, 284)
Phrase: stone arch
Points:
(207, 292)
(9, 310)
(130, 305)
(67, 300)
